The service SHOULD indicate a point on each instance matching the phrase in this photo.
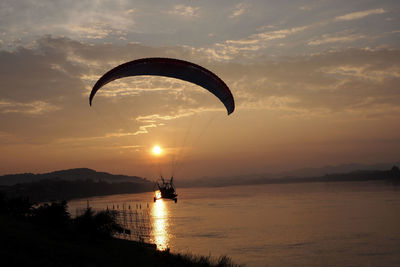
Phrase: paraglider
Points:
(173, 68)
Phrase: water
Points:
(310, 224)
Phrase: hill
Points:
(69, 184)
(70, 175)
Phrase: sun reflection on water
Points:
(160, 233)
(157, 194)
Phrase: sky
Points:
(315, 83)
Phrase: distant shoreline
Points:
(392, 176)
(84, 183)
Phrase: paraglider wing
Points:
(173, 68)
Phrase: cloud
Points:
(140, 85)
(278, 34)
(240, 9)
(324, 84)
(343, 37)
(79, 20)
(305, 8)
(41, 73)
(91, 32)
(58, 72)
(247, 46)
(360, 14)
(147, 122)
(123, 21)
(363, 72)
(153, 118)
(143, 129)
(130, 11)
(185, 11)
(32, 108)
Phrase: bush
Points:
(19, 207)
(101, 224)
(54, 215)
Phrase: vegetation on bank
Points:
(49, 189)
(46, 235)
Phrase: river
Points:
(305, 224)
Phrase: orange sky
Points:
(316, 86)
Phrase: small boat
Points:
(166, 190)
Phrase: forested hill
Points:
(69, 184)
(70, 175)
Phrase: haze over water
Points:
(311, 224)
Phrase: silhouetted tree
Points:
(101, 224)
(19, 207)
(52, 215)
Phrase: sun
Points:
(157, 150)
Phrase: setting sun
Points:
(157, 150)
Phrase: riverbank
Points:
(26, 244)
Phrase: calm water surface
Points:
(310, 224)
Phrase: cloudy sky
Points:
(315, 83)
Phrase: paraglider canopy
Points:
(173, 68)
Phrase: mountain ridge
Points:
(74, 174)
